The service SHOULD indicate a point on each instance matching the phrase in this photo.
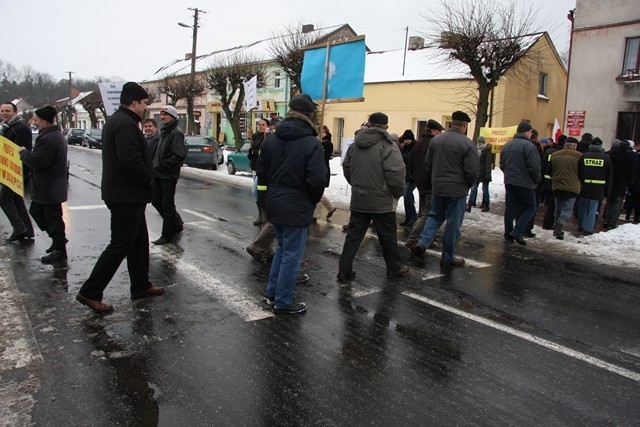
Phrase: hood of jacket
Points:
(367, 138)
(596, 148)
(295, 126)
(620, 153)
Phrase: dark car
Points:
(92, 138)
(203, 151)
(238, 161)
(75, 136)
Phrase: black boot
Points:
(258, 221)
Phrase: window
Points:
(628, 126)
(631, 64)
(543, 79)
(276, 80)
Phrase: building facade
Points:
(604, 71)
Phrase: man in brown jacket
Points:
(565, 183)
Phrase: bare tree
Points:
(287, 49)
(184, 87)
(92, 104)
(487, 36)
(226, 77)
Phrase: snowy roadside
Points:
(618, 247)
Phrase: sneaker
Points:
(346, 277)
(455, 262)
(402, 271)
(519, 239)
(295, 308)
(268, 301)
(302, 278)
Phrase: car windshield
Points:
(95, 132)
(198, 140)
(77, 132)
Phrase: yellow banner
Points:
(10, 166)
(497, 137)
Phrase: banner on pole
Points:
(11, 166)
(251, 93)
(110, 93)
(497, 137)
(345, 78)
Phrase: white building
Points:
(604, 70)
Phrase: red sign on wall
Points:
(575, 119)
(574, 131)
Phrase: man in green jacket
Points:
(565, 183)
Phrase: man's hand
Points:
(21, 149)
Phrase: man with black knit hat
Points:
(127, 174)
(48, 163)
(520, 162)
(452, 162)
(167, 162)
(374, 167)
(18, 132)
(291, 166)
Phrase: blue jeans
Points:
(450, 209)
(564, 207)
(410, 202)
(474, 193)
(526, 198)
(285, 266)
(587, 209)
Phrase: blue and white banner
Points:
(345, 78)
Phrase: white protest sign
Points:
(250, 93)
(110, 93)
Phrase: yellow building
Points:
(429, 88)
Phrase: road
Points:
(514, 337)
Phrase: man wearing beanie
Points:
(565, 183)
(48, 163)
(291, 166)
(126, 190)
(18, 132)
(167, 161)
(374, 167)
(452, 161)
(520, 162)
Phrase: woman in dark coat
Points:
(407, 139)
(254, 151)
(327, 147)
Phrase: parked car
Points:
(203, 151)
(75, 136)
(92, 138)
(238, 161)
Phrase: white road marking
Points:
(467, 261)
(199, 215)
(531, 338)
(87, 207)
(246, 306)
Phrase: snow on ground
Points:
(616, 247)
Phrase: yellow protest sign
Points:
(497, 137)
(11, 166)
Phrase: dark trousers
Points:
(13, 206)
(163, 199)
(49, 218)
(130, 240)
(548, 221)
(387, 232)
(518, 198)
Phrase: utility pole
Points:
(70, 107)
(191, 97)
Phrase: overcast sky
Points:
(134, 38)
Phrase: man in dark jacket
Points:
(623, 165)
(374, 167)
(548, 220)
(16, 131)
(423, 179)
(151, 134)
(452, 161)
(291, 165)
(520, 162)
(48, 163)
(126, 189)
(596, 175)
(167, 162)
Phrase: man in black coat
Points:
(48, 162)
(623, 165)
(292, 167)
(150, 129)
(167, 161)
(16, 131)
(126, 189)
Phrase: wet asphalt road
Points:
(513, 338)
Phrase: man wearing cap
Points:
(564, 170)
(48, 162)
(452, 162)
(18, 132)
(167, 161)
(127, 174)
(374, 168)
(520, 162)
(423, 179)
(292, 168)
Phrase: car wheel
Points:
(214, 166)
(231, 168)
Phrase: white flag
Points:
(250, 93)
(556, 131)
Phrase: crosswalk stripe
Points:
(86, 208)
